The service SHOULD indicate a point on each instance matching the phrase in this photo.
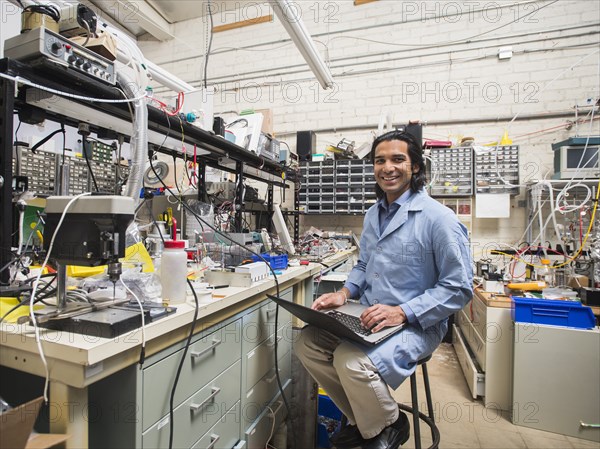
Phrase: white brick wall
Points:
(459, 82)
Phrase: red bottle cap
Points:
(174, 244)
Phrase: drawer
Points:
(479, 314)
(258, 325)
(225, 434)
(475, 379)
(258, 434)
(472, 338)
(262, 358)
(195, 416)
(257, 397)
(206, 358)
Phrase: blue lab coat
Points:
(422, 262)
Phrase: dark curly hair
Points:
(418, 180)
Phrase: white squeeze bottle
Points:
(173, 271)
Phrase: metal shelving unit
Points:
(220, 153)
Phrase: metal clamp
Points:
(196, 407)
(213, 440)
(196, 354)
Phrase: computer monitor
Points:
(282, 230)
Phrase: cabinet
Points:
(227, 395)
(556, 374)
(261, 400)
(497, 169)
(341, 187)
(482, 338)
(451, 171)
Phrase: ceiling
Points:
(156, 17)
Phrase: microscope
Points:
(91, 232)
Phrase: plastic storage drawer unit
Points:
(552, 312)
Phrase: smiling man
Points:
(414, 267)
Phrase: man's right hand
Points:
(329, 300)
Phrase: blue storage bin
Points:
(329, 421)
(552, 312)
(276, 261)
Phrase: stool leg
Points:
(415, 407)
(428, 394)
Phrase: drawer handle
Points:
(270, 345)
(589, 426)
(213, 440)
(240, 445)
(196, 407)
(196, 354)
(270, 311)
(271, 379)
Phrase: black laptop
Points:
(343, 321)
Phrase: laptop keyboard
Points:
(351, 322)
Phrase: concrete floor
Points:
(465, 423)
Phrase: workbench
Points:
(234, 341)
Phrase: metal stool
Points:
(417, 415)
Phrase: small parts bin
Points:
(277, 262)
(552, 312)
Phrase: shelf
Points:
(217, 152)
(71, 81)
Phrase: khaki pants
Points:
(349, 378)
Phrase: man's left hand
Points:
(379, 316)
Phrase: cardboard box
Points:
(16, 428)
(267, 124)
(105, 44)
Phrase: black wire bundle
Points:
(48, 10)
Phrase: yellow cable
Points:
(587, 234)
(570, 259)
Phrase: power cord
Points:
(180, 366)
(35, 286)
(143, 351)
(83, 129)
(200, 220)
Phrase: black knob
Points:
(72, 59)
(87, 66)
(56, 47)
(79, 61)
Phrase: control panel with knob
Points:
(41, 43)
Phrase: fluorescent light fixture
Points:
(60, 105)
(290, 16)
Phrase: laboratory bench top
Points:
(492, 299)
(80, 360)
(499, 300)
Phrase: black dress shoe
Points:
(348, 437)
(392, 436)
